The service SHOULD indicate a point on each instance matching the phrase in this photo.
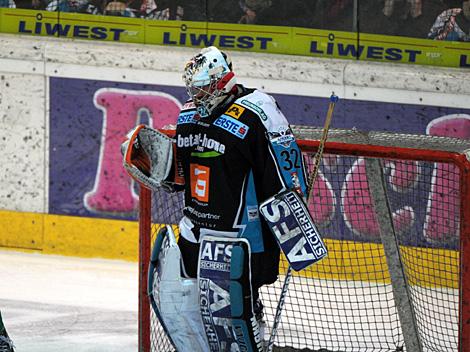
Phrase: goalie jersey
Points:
(230, 162)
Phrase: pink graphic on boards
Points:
(356, 201)
(322, 203)
(113, 189)
(443, 208)
(403, 175)
(357, 206)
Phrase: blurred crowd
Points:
(433, 19)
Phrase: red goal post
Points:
(394, 210)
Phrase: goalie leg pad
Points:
(225, 295)
(175, 299)
(214, 296)
(294, 229)
(245, 325)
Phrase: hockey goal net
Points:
(394, 210)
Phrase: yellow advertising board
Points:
(361, 46)
(223, 35)
(110, 28)
(20, 21)
(72, 25)
(175, 33)
(269, 39)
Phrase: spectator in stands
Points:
(252, 9)
(466, 9)
(446, 26)
(196, 10)
(332, 14)
(68, 6)
(162, 10)
(189, 10)
(8, 4)
(31, 4)
(276, 13)
(27, 4)
(226, 11)
(119, 8)
(335, 8)
(412, 7)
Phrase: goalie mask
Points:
(209, 78)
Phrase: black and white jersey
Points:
(231, 161)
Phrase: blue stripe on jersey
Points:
(186, 117)
(232, 125)
(289, 159)
(251, 219)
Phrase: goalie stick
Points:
(311, 181)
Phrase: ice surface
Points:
(54, 303)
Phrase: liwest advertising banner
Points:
(269, 39)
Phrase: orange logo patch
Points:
(200, 182)
(235, 111)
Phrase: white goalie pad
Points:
(174, 299)
(148, 156)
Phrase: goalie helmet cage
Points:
(394, 210)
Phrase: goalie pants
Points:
(264, 265)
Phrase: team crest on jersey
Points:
(284, 137)
(235, 111)
(252, 212)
